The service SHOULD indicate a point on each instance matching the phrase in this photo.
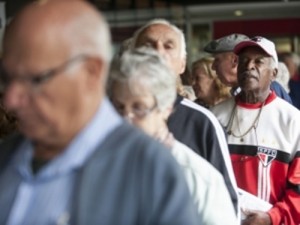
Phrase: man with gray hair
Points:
(190, 123)
(77, 161)
(263, 137)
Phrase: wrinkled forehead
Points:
(160, 32)
(35, 47)
(223, 55)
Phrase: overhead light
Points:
(238, 12)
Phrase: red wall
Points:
(274, 27)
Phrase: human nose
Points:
(250, 64)
(128, 116)
(14, 95)
(160, 48)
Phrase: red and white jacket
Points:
(266, 160)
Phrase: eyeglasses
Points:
(36, 80)
(135, 112)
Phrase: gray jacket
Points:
(130, 179)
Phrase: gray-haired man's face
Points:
(167, 42)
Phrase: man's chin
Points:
(30, 132)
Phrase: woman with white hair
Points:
(143, 90)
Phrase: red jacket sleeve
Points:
(287, 211)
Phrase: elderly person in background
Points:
(206, 84)
(226, 62)
(292, 61)
(263, 136)
(143, 90)
(77, 161)
(283, 76)
(190, 123)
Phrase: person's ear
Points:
(235, 60)
(96, 70)
(182, 66)
(274, 74)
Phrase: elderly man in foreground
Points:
(77, 161)
(263, 137)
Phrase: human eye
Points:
(37, 80)
(169, 45)
(139, 106)
(119, 107)
(242, 60)
(259, 61)
(41, 78)
(147, 44)
(197, 78)
(139, 109)
(202, 77)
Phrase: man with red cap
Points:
(263, 136)
(226, 62)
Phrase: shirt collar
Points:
(78, 151)
(258, 105)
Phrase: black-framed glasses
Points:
(35, 80)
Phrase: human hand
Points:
(164, 137)
(255, 217)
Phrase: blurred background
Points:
(200, 20)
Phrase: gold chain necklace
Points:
(230, 123)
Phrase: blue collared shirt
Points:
(46, 198)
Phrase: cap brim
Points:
(239, 47)
(208, 49)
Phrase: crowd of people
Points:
(102, 139)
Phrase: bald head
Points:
(70, 27)
(55, 59)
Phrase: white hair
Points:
(146, 67)
(137, 33)
(283, 76)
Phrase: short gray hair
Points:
(136, 34)
(148, 67)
